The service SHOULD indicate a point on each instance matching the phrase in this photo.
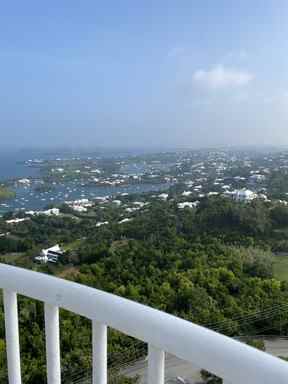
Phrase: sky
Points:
(181, 73)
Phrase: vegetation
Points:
(211, 265)
(280, 267)
(5, 193)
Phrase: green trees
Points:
(279, 215)
(223, 215)
(8, 245)
(278, 184)
(216, 213)
(5, 193)
(211, 265)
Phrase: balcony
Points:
(227, 358)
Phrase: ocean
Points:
(12, 166)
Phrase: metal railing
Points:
(229, 359)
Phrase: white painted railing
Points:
(235, 362)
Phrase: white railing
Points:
(235, 362)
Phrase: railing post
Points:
(99, 342)
(12, 336)
(52, 344)
(156, 365)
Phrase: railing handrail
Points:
(225, 357)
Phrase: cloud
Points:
(220, 77)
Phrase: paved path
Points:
(277, 346)
(180, 372)
(174, 368)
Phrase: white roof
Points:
(101, 223)
(245, 192)
(55, 248)
(124, 220)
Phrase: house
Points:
(188, 204)
(50, 255)
(25, 182)
(117, 202)
(244, 195)
(16, 221)
(80, 205)
(163, 196)
(79, 208)
(124, 220)
(140, 204)
(51, 212)
(100, 223)
(4, 234)
(257, 178)
(48, 212)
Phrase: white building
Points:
(117, 202)
(188, 204)
(50, 255)
(163, 196)
(100, 223)
(51, 212)
(79, 208)
(257, 178)
(244, 195)
(48, 212)
(80, 205)
(4, 234)
(25, 182)
(126, 220)
(140, 204)
(186, 193)
(16, 221)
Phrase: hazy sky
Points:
(143, 73)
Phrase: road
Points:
(174, 368)
(277, 346)
(186, 372)
(178, 371)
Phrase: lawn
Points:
(72, 245)
(280, 267)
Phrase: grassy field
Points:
(72, 245)
(280, 267)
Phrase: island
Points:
(6, 193)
